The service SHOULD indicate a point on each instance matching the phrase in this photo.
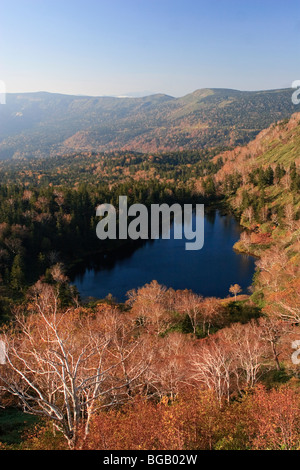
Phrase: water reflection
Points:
(209, 271)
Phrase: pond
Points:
(209, 271)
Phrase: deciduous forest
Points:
(167, 369)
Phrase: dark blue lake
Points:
(209, 271)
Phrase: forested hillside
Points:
(168, 369)
(261, 183)
(43, 124)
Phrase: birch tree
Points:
(67, 365)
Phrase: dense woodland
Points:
(167, 369)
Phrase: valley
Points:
(45, 124)
(160, 309)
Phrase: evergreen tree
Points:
(17, 277)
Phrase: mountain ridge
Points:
(44, 124)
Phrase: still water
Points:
(209, 271)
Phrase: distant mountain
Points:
(43, 124)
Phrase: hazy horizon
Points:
(141, 95)
(174, 47)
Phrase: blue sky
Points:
(117, 47)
